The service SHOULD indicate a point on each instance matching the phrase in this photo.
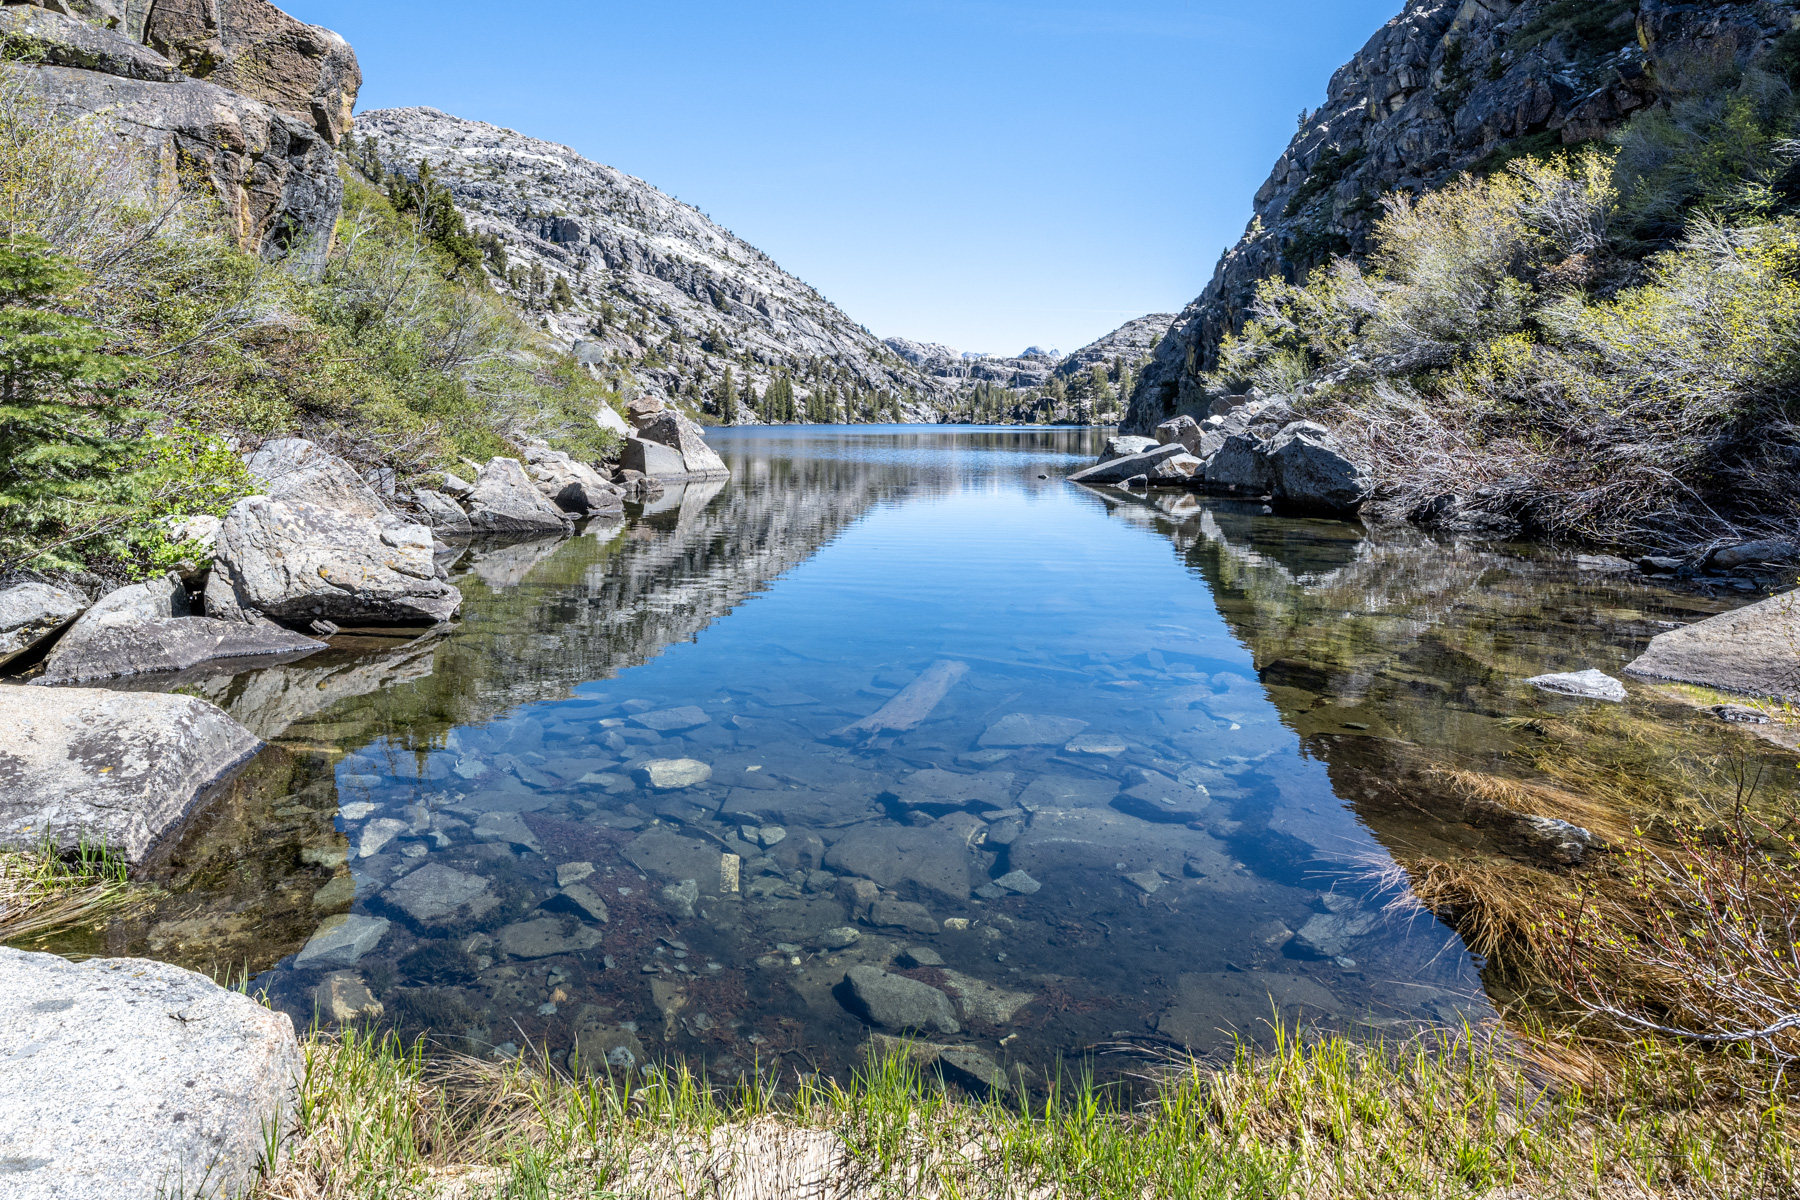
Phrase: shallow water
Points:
(1188, 735)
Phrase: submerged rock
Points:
(669, 774)
(342, 998)
(123, 1078)
(543, 937)
(435, 894)
(119, 769)
(898, 1002)
(1586, 685)
(340, 941)
(1031, 729)
(966, 1065)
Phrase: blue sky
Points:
(986, 173)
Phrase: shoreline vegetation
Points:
(1465, 1113)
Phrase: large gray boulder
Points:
(165, 646)
(1754, 651)
(296, 470)
(64, 40)
(125, 1079)
(572, 486)
(299, 563)
(652, 459)
(145, 629)
(1118, 470)
(1241, 464)
(119, 768)
(444, 515)
(1183, 429)
(32, 612)
(687, 439)
(1311, 471)
(506, 501)
(899, 1002)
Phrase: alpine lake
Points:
(1176, 760)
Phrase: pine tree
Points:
(66, 457)
(561, 299)
(727, 399)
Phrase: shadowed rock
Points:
(118, 768)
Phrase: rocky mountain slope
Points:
(1133, 341)
(1447, 86)
(654, 289)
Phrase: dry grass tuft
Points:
(42, 892)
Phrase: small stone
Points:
(377, 834)
(920, 956)
(841, 938)
(682, 897)
(1018, 882)
(356, 810)
(668, 774)
(341, 940)
(956, 924)
(579, 899)
(1148, 882)
(573, 872)
(1328, 935)
(769, 835)
(731, 868)
(342, 998)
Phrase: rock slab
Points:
(1754, 651)
(899, 1002)
(31, 612)
(123, 1079)
(120, 768)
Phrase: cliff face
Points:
(1447, 86)
(656, 287)
(235, 91)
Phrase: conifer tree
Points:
(727, 399)
(66, 455)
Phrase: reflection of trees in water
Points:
(544, 616)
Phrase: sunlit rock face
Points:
(237, 91)
(653, 282)
(1439, 88)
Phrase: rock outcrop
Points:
(1754, 651)
(506, 502)
(235, 91)
(1439, 88)
(125, 1079)
(118, 768)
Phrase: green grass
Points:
(1472, 1114)
(42, 891)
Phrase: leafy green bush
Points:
(1499, 349)
(398, 356)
